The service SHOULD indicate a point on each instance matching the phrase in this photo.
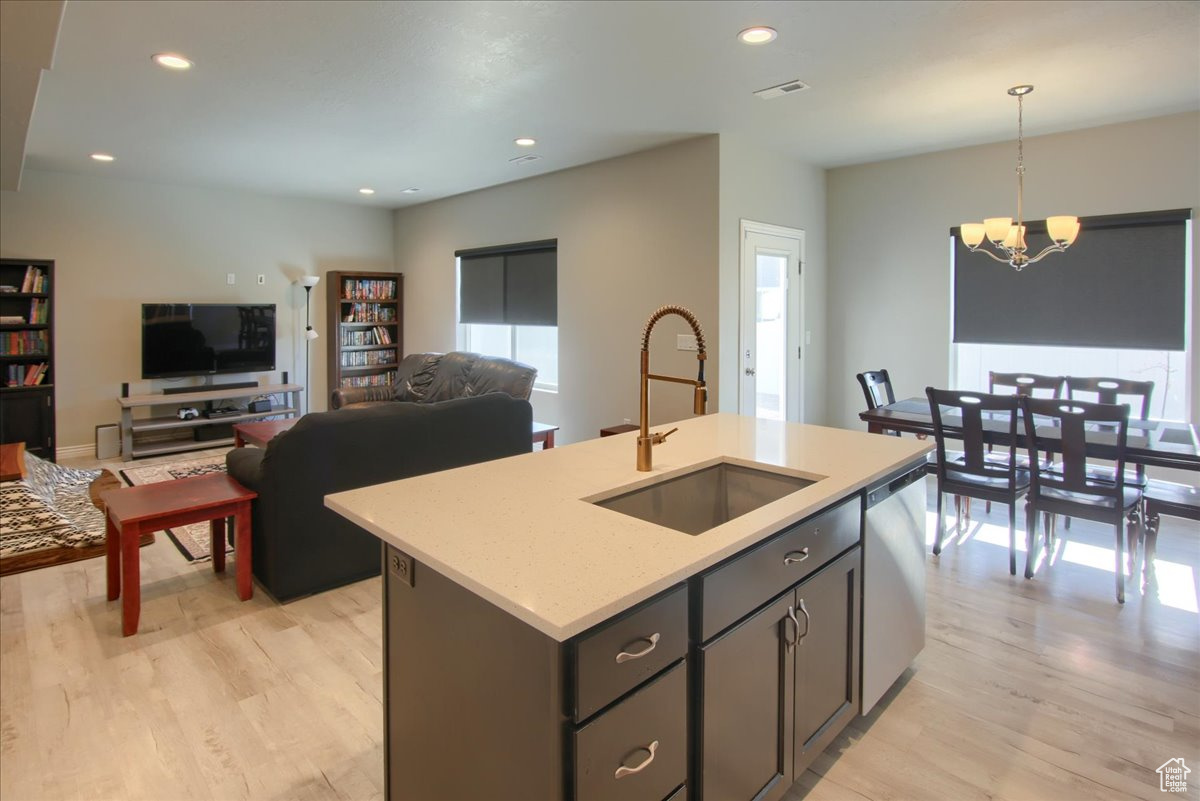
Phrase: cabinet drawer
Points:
(636, 751)
(748, 581)
(623, 654)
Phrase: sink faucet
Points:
(645, 439)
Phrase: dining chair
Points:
(1051, 386)
(972, 474)
(1026, 384)
(877, 391)
(1164, 498)
(1114, 390)
(1070, 488)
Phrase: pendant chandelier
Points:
(1007, 237)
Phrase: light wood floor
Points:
(1042, 689)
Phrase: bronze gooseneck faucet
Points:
(645, 439)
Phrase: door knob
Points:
(749, 371)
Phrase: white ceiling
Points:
(319, 98)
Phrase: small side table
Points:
(261, 432)
(544, 433)
(131, 511)
(612, 431)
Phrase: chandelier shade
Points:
(1006, 236)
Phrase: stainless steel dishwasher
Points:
(893, 609)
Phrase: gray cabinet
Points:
(778, 686)
(725, 688)
(636, 751)
(827, 656)
(480, 705)
(747, 678)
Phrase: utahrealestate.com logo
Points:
(1172, 776)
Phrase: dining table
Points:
(1153, 443)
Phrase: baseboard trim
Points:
(74, 451)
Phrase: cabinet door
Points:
(827, 656)
(747, 682)
(27, 415)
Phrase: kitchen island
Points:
(541, 646)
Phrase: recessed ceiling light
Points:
(172, 61)
(759, 34)
(102, 157)
(525, 141)
(409, 191)
(366, 190)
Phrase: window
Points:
(1115, 304)
(508, 305)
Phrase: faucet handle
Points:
(658, 437)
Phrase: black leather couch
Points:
(432, 377)
(299, 546)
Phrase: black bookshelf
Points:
(27, 354)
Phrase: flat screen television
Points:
(182, 339)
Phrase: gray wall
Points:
(633, 233)
(889, 260)
(117, 244)
(760, 185)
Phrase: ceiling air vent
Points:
(789, 88)
(524, 159)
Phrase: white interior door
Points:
(769, 340)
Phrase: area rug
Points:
(191, 540)
(47, 517)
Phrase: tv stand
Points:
(131, 448)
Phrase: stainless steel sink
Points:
(705, 498)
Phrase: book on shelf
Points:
(21, 343)
(12, 319)
(34, 281)
(25, 375)
(368, 289)
(377, 380)
(35, 374)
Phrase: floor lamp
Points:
(308, 282)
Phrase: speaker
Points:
(285, 376)
(261, 405)
(125, 390)
(108, 441)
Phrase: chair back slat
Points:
(1026, 384)
(877, 388)
(1112, 391)
(972, 434)
(976, 413)
(1071, 421)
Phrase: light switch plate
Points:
(262, 279)
(230, 278)
(686, 342)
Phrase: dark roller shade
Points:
(481, 290)
(509, 284)
(1121, 285)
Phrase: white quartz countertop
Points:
(518, 533)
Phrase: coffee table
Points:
(130, 511)
(261, 432)
(12, 461)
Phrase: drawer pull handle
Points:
(795, 556)
(623, 771)
(807, 623)
(627, 656)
